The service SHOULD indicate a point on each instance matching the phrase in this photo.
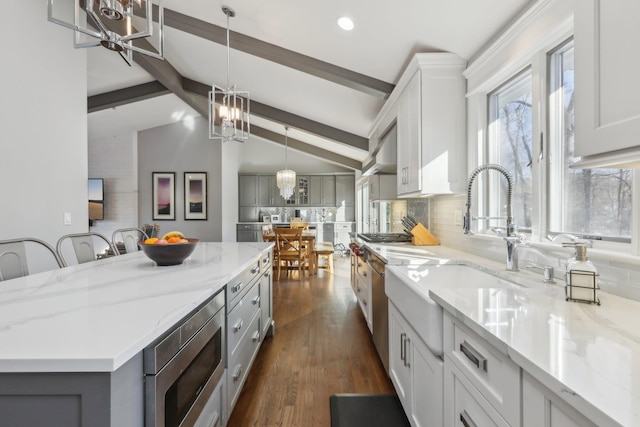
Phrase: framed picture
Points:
(266, 218)
(195, 195)
(164, 195)
(275, 218)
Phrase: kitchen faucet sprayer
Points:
(512, 237)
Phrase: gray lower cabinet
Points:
(246, 308)
(248, 233)
(74, 399)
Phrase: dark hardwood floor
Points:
(321, 346)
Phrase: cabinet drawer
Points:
(342, 226)
(492, 373)
(240, 363)
(241, 284)
(465, 406)
(211, 415)
(265, 261)
(239, 318)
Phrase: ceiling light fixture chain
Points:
(232, 113)
(114, 24)
(286, 179)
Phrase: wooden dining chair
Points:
(299, 224)
(290, 250)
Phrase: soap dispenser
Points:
(582, 278)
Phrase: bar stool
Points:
(13, 256)
(83, 246)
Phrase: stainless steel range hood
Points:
(383, 157)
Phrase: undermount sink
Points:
(408, 286)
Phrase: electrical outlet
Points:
(457, 216)
(67, 218)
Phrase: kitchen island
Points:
(71, 340)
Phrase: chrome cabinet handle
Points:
(265, 260)
(406, 358)
(402, 355)
(364, 302)
(267, 274)
(256, 336)
(466, 419)
(254, 270)
(236, 288)
(237, 373)
(256, 300)
(474, 356)
(364, 273)
(237, 326)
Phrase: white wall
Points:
(115, 159)
(43, 126)
(231, 153)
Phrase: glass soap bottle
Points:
(582, 277)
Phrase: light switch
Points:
(67, 218)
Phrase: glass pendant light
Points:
(286, 178)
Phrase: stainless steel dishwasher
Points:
(379, 308)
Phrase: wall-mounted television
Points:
(96, 198)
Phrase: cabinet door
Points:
(328, 191)
(345, 190)
(248, 236)
(427, 386)
(266, 304)
(265, 190)
(543, 408)
(606, 78)
(248, 190)
(315, 190)
(399, 360)
(409, 137)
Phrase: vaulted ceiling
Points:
(300, 68)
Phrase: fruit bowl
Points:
(169, 254)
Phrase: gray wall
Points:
(43, 126)
(180, 148)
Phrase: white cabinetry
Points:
(606, 78)
(543, 408)
(431, 157)
(409, 138)
(416, 373)
(363, 290)
(479, 380)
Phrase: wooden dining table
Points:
(309, 238)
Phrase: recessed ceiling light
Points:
(345, 23)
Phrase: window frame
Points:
(539, 62)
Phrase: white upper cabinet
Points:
(606, 78)
(431, 121)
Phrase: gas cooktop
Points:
(384, 237)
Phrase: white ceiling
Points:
(383, 41)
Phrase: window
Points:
(510, 136)
(582, 201)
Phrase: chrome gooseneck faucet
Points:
(512, 236)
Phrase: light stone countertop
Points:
(94, 317)
(587, 354)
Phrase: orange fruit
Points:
(150, 240)
(174, 239)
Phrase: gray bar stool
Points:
(130, 238)
(83, 246)
(13, 256)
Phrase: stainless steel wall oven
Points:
(184, 368)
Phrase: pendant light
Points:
(231, 114)
(286, 178)
(114, 24)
